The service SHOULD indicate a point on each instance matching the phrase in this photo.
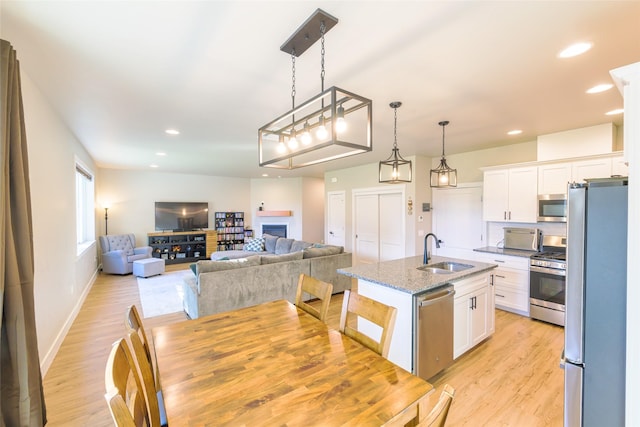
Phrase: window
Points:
(85, 218)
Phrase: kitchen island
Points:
(400, 283)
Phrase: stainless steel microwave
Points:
(552, 208)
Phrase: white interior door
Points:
(391, 217)
(366, 229)
(335, 218)
(457, 220)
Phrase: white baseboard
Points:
(47, 360)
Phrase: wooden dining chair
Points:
(316, 288)
(438, 414)
(133, 322)
(153, 397)
(123, 386)
(120, 412)
(356, 306)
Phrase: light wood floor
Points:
(512, 379)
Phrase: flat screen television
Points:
(182, 216)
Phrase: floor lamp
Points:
(106, 219)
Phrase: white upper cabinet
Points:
(553, 178)
(593, 168)
(495, 198)
(510, 195)
(619, 167)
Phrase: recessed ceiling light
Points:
(575, 50)
(265, 175)
(161, 154)
(600, 88)
(615, 112)
(514, 132)
(153, 166)
(172, 132)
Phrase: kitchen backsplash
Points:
(495, 230)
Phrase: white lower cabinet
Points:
(473, 312)
(510, 280)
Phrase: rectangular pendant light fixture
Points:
(331, 125)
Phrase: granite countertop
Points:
(503, 251)
(403, 275)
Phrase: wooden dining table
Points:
(274, 364)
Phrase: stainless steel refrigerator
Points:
(596, 300)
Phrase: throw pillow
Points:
(192, 266)
(299, 245)
(254, 245)
(283, 246)
(270, 242)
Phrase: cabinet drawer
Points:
(517, 278)
(511, 299)
(470, 284)
(516, 262)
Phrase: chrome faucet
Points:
(426, 253)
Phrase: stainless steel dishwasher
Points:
(433, 326)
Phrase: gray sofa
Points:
(237, 279)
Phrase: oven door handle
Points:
(552, 271)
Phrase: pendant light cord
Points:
(293, 79)
(395, 127)
(443, 124)
(322, 31)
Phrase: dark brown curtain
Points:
(21, 390)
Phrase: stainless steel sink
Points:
(445, 267)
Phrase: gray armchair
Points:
(119, 251)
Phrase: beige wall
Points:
(313, 202)
(419, 223)
(62, 278)
(132, 196)
(366, 176)
(469, 164)
(303, 196)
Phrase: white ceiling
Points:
(121, 72)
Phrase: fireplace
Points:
(275, 229)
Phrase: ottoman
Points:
(148, 267)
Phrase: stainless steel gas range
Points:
(547, 281)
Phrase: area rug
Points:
(161, 294)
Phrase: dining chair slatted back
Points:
(120, 412)
(153, 398)
(437, 417)
(122, 379)
(356, 306)
(316, 288)
(133, 322)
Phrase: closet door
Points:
(379, 225)
(391, 226)
(335, 218)
(366, 229)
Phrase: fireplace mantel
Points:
(273, 213)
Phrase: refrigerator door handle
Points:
(574, 300)
(573, 379)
